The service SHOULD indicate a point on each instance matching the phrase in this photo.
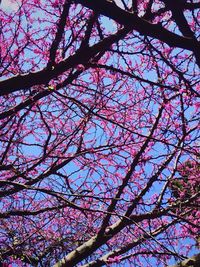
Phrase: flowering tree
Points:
(99, 114)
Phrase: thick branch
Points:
(179, 17)
(82, 56)
(143, 26)
(59, 34)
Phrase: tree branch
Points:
(143, 26)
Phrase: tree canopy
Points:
(99, 132)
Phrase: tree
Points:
(187, 185)
(99, 111)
